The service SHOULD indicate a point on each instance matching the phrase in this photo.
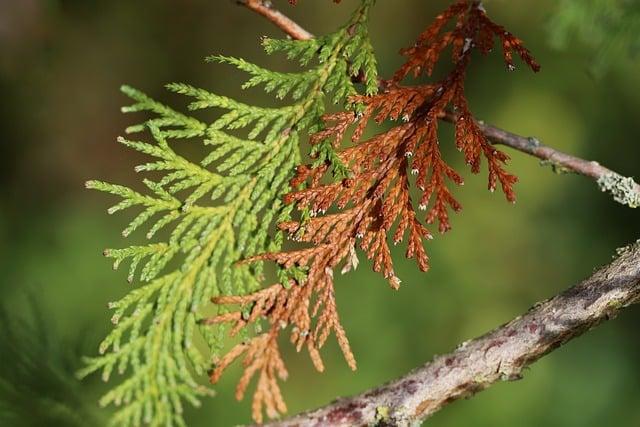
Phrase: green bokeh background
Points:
(61, 63)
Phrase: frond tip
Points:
(283, 306)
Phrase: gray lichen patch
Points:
(623, 189)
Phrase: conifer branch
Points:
(623, 189)
(216, 214)
(500, 355)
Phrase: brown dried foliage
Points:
(375, 201)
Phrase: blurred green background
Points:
(61, 63)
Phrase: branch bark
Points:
(500, 355)
(280, 20)
(623, 189)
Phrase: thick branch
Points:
(500, 355)
(623, 189)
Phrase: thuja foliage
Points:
(218, 210)
(218, 213)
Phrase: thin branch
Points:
(500, 355)
(280, 20)
(623, 189)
